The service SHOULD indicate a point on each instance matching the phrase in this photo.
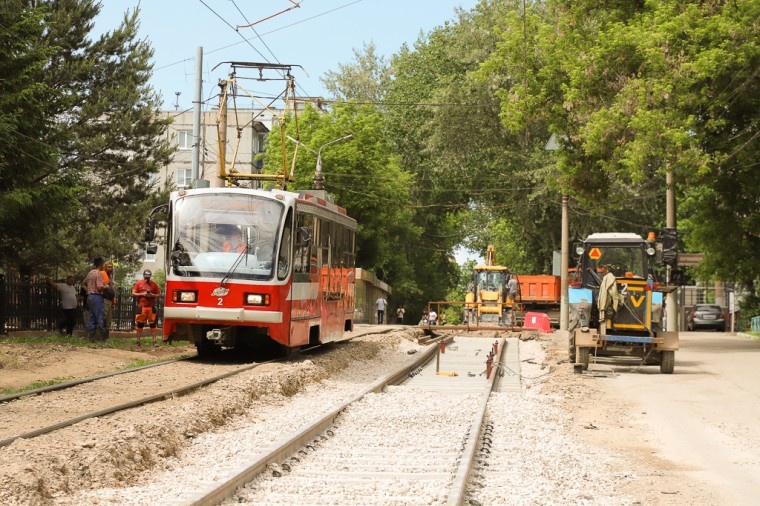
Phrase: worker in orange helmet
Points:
(146, 291)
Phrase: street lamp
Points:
(318, 177)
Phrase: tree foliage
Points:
(637, 89)
(363, 80)
(79, 142)
(479, 172)
(362, 175)
(631, 90)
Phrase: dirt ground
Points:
(690, 437)
(22, 364)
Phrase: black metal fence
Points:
(35, 305)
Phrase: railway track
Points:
(363, 451)
(80, 381)
(180, 451)
(35, 412)
(189, 461)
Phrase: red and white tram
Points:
(249, 268)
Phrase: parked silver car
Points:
(706, 316)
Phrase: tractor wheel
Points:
(583, 357)
(668, 362)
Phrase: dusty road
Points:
(704, 419)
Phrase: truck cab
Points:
(616, 303)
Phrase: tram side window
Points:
(349, 257)
(338, 245)
(304, 240)
(326, 233)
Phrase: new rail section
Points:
(463, 368)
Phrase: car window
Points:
(708, 308)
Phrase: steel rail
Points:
(72, 383)
(176, 392)
(458, 487)
(289, 445)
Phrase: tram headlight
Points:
(257, 299)
(186, 296)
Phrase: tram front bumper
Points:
(236, 315)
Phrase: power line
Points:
(259, 36)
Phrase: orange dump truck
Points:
(539, 293)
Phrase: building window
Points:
(259, 142)
(149, 257)
(184, 178)
(185, 139)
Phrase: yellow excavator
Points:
(486, 300)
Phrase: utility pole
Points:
(564, 263)
(197, 114)
(673, 313)
(553, 144)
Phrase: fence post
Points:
(3, 298)
(53, 305)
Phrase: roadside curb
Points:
(748, 336)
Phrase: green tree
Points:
(489, 184)
(637, 89)
(363, 176)
(363, 80)
(407, 243)
(80, 141)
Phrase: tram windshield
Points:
(225, 235)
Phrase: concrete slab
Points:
(460, 368)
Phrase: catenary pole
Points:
(197, 114)
(673, 314)
(563, 309)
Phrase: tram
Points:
(248, 268)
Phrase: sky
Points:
(318, 35)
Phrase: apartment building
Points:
(246, 135)
(247, 131)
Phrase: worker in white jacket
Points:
(608, 297)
